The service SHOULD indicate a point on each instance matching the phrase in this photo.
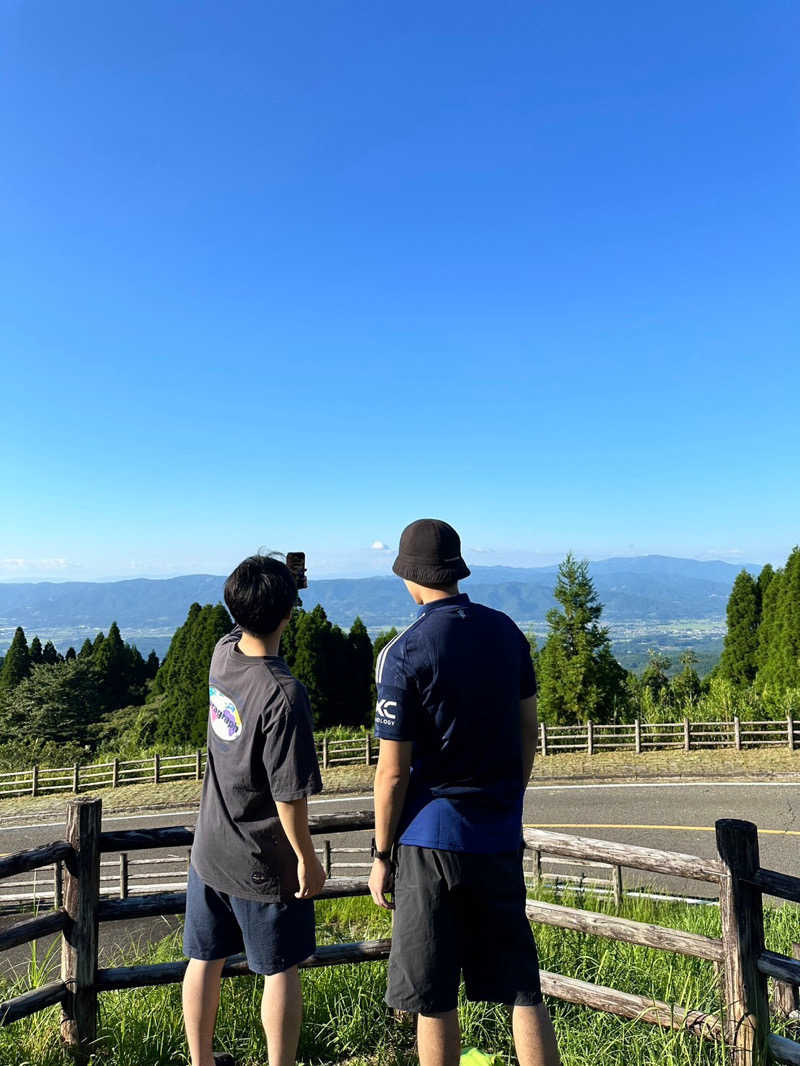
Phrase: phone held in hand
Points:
(296, 561)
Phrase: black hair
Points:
(260, 593)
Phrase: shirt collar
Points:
(450, 601)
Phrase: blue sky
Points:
(291, 275)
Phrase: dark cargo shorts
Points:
(455, 912)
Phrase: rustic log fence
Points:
(591, 738)
(741, 960)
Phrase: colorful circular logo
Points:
(225, 720)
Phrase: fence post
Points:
(589, 737)
(58, 885)
(687, 735)
(616, 884)
(35, 780)
(325, 752)
(123, 875)
(543, 738)
(156, 768)
(368, 749)
(79, 943)
(637, 735)
(537, 867)
(198, 765)
(75, 780)
(326, 857)
(115, 773)
(737, 732)
(790, 730)
(746, 1008)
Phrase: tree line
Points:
(107, 697)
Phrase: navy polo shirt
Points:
(452, 684)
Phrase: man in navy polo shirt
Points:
(456, 718)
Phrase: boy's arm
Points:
(391, 784)
(530, 729)
(293, 817)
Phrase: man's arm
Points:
(530, 729)
(391, 784)
(294, 819)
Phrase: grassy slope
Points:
(762, 763)
(346, 1020)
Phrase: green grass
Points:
(346, 1020)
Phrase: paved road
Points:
(673, 816)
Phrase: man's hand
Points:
(381, 881)
(311, 877)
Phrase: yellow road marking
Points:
(633, 825)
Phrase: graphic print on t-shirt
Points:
(225, 719)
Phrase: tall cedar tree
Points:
(783, 657)
(360, 648)
(768, 628)
(739, 654)
(654, 675)
(111, 660)
(17, 661)
(36, 653)
(50, 655)
(183, 676)
(686, 686)
(380, 642)
(579, 678)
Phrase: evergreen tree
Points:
(312, 664)
(17, 661)
(183, 676)
(111, 661)
(50, 655)
(579, 678)
(768, 629)
(787, 638)
(654, 675)
(289, 636)
(57, 702)
(686, 686)
(380, 642)
(739, 654)
(763, 580)
(361, 673)
(87, 650)
(151, 665)
(36, 658)
(97, 644)
(70, 656)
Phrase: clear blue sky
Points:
(290, 275)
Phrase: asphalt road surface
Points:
(674, 816)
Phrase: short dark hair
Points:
(260, 593)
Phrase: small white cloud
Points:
(27, 565)
(379, 546)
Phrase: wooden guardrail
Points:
(742, 962)
(590, 738)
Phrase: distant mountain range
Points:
(650, 589)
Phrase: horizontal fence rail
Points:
(742, 964)
(590, 738)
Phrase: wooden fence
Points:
(741, 960)
(635, 737)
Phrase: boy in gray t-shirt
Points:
(254, 870)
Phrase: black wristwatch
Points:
(384, 856)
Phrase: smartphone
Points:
(296, 561)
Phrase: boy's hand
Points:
(311, 877)
(381, 881)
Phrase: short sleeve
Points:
(397, 708)
(290, 757)
(527, 674)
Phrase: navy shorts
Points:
(275, 936)
(457, 913)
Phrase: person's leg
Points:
(281, 1016)
(534, 1037)
(200, 1003)
(438, 1039)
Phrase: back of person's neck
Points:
(431, 595)
(258, 647)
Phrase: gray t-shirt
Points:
(260, 749)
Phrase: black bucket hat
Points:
(430, 554)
